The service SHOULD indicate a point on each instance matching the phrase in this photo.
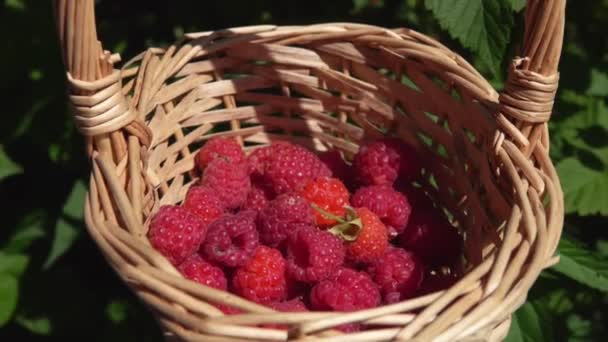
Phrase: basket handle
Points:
(532, 81)
(101, 111)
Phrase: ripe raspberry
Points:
(223, 147)
(370, 239)
(258, 197)
(338, 166)
(279, 217)
(328, 194)
(294, 305)
(312, 254)
(228, 310)
(204, 203)
(383, 161)
(176, 233)
(232, 239)
(197, 269)
(430, 236)
(391, 206)
(258, 159)
(262, 279)
(398, 274)
(230, 181)
(347, 290)
(286, 167)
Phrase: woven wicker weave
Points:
(329, 86)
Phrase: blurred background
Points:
(54, 284)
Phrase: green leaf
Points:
(529, 324)
(599, 83)
(7, 166)
(28, 231)
(580, 264)
(585, 189)
(9, 291)
(36, 325)
(484, 26)
(116, 311)
(66, 229)
(13, 264)
(518, 5)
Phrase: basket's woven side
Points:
(325, 86)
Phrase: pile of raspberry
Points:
(297, 231)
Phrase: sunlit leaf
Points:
(580, 264)
(599, 83)
(585, 189)
(484, 26)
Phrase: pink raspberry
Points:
(430, 236)
(232, 239)
(262, 279)
(294, 305)
(381, 162)
(258, 198)
(280, 215)
(338, 166)
(391, 206)
(346, 290)
(219, 147)
(204, 203)
(312, 254)
(230, 181)
(199, 270)
(286, 167)
(398, 273)
(176, 233)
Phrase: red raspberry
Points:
(204, 203)
(391, 206)
(367, 241)
(294, 305)
(197, 269)
(257, 161)
(176, 233)
(286, 167)
(432, 237)
(232, 239)
(230, 181)
(228, 310)
(398, 273)
(312, 254)
(280, 215)
(346, 290)
(262, 279)
(338, 166)
(383, 161)
(328, 194)
(258, 197)
(223, 147)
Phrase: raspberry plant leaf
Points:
(483, 26)
(528, 325)
(518, 5)
(578, 263)
(7, 166)
(585, 189)
(67, 228)
(9, 291)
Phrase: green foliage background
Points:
(54, 284)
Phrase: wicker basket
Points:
(328, 86)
